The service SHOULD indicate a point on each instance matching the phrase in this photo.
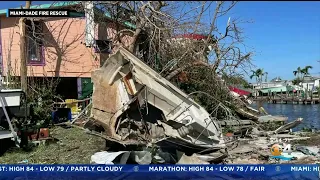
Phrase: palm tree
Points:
(254, 75)
(297, 72)
(305, 70)
(260, 74)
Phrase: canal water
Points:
(309, 113)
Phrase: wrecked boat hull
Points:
(134, 103)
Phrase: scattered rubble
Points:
(138, 109)
(137, 106)
(145, 119)
(194, 159)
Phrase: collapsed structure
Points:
(136, 105)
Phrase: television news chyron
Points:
(38, 13)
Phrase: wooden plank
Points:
(76, 101)
(235, 122)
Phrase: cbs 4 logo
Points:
(277, 149)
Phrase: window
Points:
(34, 41)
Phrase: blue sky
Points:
(284, 35)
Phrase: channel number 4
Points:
(287, 148)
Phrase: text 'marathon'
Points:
(159, 172)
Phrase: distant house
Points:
(57, 47)
(276, 85)
(310, 83)
(276, 82)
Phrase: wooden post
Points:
(273, 95)
(307, 92)
(23, 58)
(292, 97)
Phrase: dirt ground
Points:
(73, 146)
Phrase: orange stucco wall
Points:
(66, 34)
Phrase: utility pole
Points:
(23, 52)
(89, 14)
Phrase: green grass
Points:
(74, 146)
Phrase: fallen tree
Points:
(177, 41)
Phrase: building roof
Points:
(310, 78)
(60, 5)
(276, 79)
(277, 89)
(240, 91)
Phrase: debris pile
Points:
(137, 106)
(146, 119)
